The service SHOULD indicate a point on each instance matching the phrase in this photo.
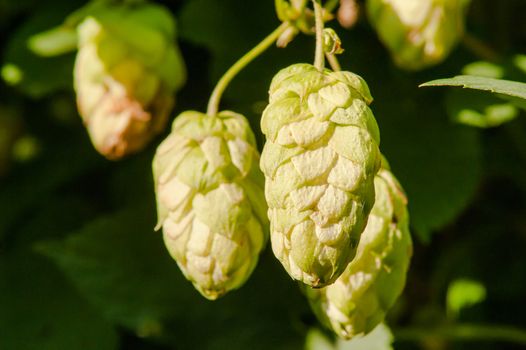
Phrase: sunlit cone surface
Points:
(358, 301)
(126, 72)
(319, 161)
(418, 33)
(210, 200)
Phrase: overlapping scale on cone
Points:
(319, 161)
(127, 70)
(358, 301)
(210, 200)
(418, 33)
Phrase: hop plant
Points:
(210, 200)
(126, 72)
(418, 33)
(358, 301)
(319, 161)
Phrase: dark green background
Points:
(82, 268)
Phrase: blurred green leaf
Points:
(437, 163)
(53, 42)
(479, 110)
(122, 267)
(240, 24)
(379, 338)
(463, 293)
(520, 62)
(38, 76)
(505, 87)
(317, 340)
(119, 264)
(40, 310)
(484, 69)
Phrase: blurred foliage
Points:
(463, 293)
(82, 268)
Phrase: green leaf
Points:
(463, 293)
(53, 42)
(40, 310)
(505, 87)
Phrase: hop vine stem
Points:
(319, 58)
(222, 84)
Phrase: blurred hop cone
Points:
(418, 33)
(319, 161)
(358, 301)
(126, 72)
(210, 200)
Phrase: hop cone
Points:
(418, 33)
(319, 162)
(358, 301)
(210, 200)
(126, 72)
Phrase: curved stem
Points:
(465, 332)
(215, 98)
(333, 61)
(319, 58)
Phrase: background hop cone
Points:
(126, 72)
(210, 200)
(358, 301)
(418, 33)
(319, 161)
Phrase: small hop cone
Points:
(210, 200)
(358, 301)
(126, 72)
(418, 33)
(319, 162)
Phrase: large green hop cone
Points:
(319, 161)
(126, 72)
(418, 33)
(210, 200)
(358, 301)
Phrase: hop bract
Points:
(126, 72)
(358, 301)
(319, 161)
(210, 200)
(418, 33)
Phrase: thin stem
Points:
(464, 332)
(222, 84)
(479, 48)
(319, 58)
(333, 61)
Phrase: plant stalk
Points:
(464, 332)
(319, 57)
(222, 84)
